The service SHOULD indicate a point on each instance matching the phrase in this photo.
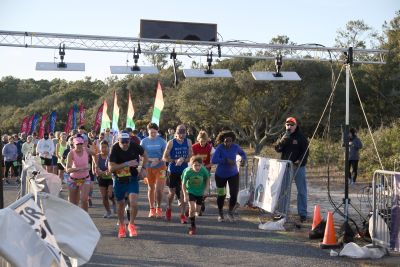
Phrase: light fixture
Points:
(208, 73)
(135, 69)
(60, 66)
(278, 75)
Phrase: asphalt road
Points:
(162, 243)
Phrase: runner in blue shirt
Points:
(227, 171)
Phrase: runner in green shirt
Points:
(195, 182)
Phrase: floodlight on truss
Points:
(60, 66)
(208, 73)
(135, 69)
(278, 75)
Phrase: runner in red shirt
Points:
(203, 148)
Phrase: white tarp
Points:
(269, 178)
(353, 250)
(75, 232)
(20, 244)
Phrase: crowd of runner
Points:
(118, 161)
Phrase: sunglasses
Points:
(289, 124)
(124, 142)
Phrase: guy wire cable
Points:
(319, 122)
(366, 120)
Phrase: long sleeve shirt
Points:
(10, 152)
(220, 157)
(44, 146)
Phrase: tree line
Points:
(255, 111)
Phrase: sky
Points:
(303, 21)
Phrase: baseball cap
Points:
(78, 140)
(291, 120)
(124, 136)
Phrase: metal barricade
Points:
(283, 205)
(243, 178)
(385, 199)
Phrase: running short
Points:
(104, 182)
(153, 174)
(125, 188)
(45, 161)
(198, 199)
(174, 180)
(75, 183)
(60, 166)
(54, 160)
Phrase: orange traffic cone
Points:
(329, 236)
(318, 225)
(317, 217)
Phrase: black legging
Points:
(353, 164)
(233, 182)
(10, 164)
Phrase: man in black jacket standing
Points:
(294, 147)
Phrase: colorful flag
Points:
(131, 112)
(74, 117)
(69, 119)
(24, 125)
(115, 114)
(81, 115)
(29, 130)
(52, 121)
(105, 120)
(34, 122)
(97, 122)
(158, 105)
(41, 126)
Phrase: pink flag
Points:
(30, 121)
(69, 120)
(99, 115)
(24, 125)
(41, 126)
(81, 115)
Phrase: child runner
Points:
(194, 186)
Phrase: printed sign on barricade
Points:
(270, 173)
(32, 213)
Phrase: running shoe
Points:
(122, 231)
(183, 219)
(158, 213)
(132, 230)
(221, 218)
(168, 214)
(152, 213)
(192, 231)
(90, 203)
(107, 214)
